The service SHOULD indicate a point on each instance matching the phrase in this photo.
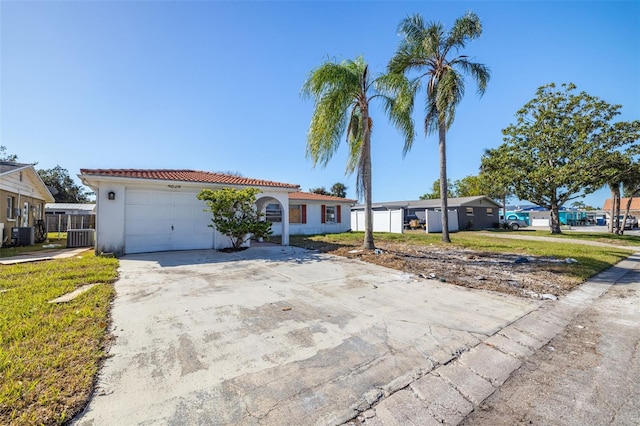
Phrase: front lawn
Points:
(49, 353)
(591, 259)
(601, 237)
(54, 238)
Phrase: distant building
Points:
(69, 208)
(479, 212)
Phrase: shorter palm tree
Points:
(342, 93)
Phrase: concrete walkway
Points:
(520, 236)
(279, 335)
(43, 255)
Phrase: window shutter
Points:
(338, 214)
(304, 213)
(323, 214)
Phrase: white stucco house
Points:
(157, 210)
(311, 214)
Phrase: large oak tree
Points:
(559, 147)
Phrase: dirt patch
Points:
(528, 276)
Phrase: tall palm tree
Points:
(342, 93)
(434, 53)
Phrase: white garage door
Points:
(165, 220)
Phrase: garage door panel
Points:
(137, 212)
(160, 198)
(161, 226)
(138, 197)
(139, 227)
(187, 199)
(165, 220)
(192, 241)
(160, 211)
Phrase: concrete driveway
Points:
(277, 335)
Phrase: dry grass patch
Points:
(520, 267)
(49, 353)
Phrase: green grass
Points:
(620, 240)
(591, 259)
(49, 353)
(53, 239)
(57, 236)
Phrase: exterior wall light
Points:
(111, 195)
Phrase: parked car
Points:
(632, 221)
(512, 222)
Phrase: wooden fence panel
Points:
(63, 222)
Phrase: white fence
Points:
(383, 220)
(434, 221)
(393, 221)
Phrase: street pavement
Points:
(587, 375)
(280, 335)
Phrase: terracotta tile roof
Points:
(310, 196)
(185, 176)
(635, 204)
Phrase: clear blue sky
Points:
(215, 86)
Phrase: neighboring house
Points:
(22, 197)
(157, 210)
(634, 210)
(479, 212)
(311, 214)
(70, 208)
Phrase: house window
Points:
(11, 201)
(330, 214)
(469, 211)
(274, 213)
(489, 211)
(297, 213)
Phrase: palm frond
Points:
(480, 72)
(467, 27)
(450, 93)
(354, 140)
(398, 94)
(426, 48)
(333, 87)
(431, 116)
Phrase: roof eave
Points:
(91, 180)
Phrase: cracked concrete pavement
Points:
(280, 335)
(589, 374)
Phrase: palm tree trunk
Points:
(366, 181)
(442, 145)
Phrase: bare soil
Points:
(527, 276)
